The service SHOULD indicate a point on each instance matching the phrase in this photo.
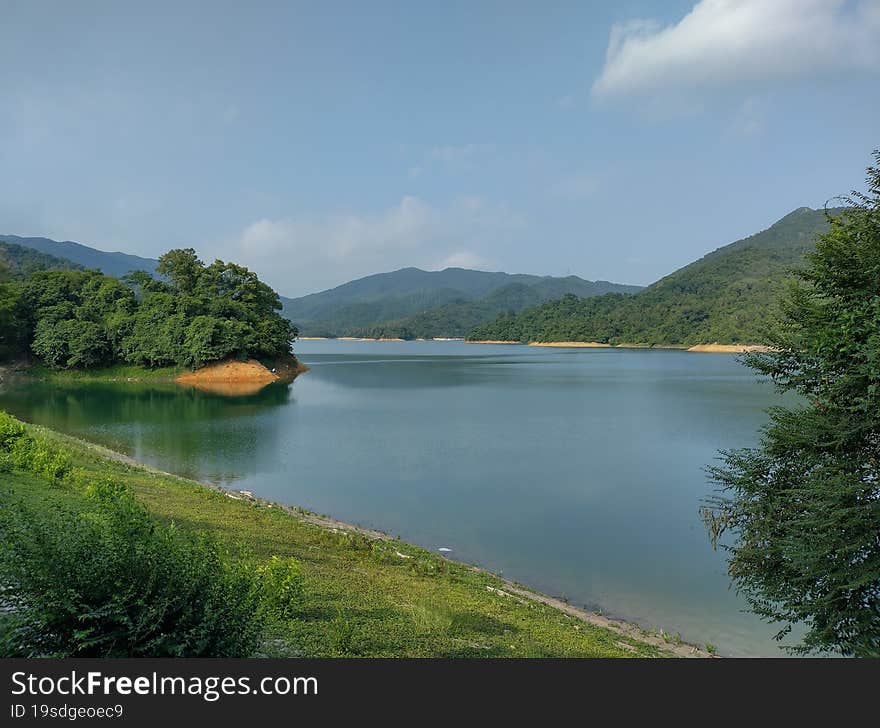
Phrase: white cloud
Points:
(305, 254)
(463, 259)
(730, 42)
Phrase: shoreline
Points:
(224, 372)
(714, 348)
(572, 344)
(510, 589)
(696, 349)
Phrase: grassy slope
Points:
(116, 372)
(362, 598)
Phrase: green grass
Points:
(361, 597)
(116, 372)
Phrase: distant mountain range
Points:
(728, 296)
(113, 264)
(24, 261)
(411, 302)
(405, 303)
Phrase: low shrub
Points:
(89, 572)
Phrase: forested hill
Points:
(728, 296)
(414, 302)
(111, 264)
(191, 315)
(23, 261)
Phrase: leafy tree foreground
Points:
(803, 509)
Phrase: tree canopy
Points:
(193, 315)
(803, 509)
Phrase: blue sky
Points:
(318, 142)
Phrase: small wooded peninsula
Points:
(190, 314)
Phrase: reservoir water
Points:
(578, 472)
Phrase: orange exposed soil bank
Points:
(241, 377)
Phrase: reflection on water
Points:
(203, 434)
(579, 472)
(228, 389)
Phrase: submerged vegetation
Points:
(192, 315)
(310, 587)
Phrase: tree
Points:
(803, 509)
(183, 269)
(198, 314)
(13, 329)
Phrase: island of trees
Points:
(191, 315)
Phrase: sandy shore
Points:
(572, 344)
(728, 348)
(699, 348)
(493, 341)
(363, 338)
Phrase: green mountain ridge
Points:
(728, 296)
(411, 302)
(23, 260)
(455, 319)
(112, 264)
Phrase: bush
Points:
(113, 582)
(19, 450)
(89, 572)
(281, 589)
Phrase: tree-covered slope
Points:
(457, 318)
(435, 300)
(728, 296)
(111, 264)
(191, 315)
(23, 261)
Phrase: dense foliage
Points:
(22, 261)
(86, 571)
(413, 303)
(803, 509)
(728, 296)
(195, 314)
(12, 329)
(82, 256)
(457, 318)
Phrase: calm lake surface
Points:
(576, 471)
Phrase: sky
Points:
(317, 142)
